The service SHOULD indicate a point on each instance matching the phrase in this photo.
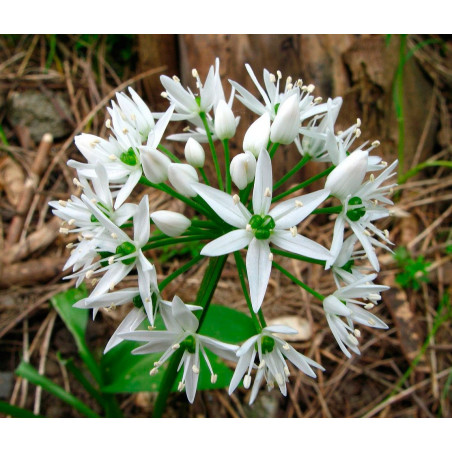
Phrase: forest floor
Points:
(405, 371)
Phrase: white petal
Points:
(258, 266)
(228, 243)
(367, 245)
(299, 245)
(262, 182)
(224, 206)
(183, 316)
(141, 222)
(128, 187)
(287, 214)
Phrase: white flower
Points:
(343, 302)
(181, 327)
(170, 223)
(123, 254)
(257, 231)
(135, 112)
(272, 353)
(194, 153)
(182, 176)
(110, 301)
(243, 169)
(316, 137)
(287, 122)
(360, 209)
(155, 165)
(257, 136)
(273, 98)
(225, 123)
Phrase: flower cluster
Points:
(236, 211)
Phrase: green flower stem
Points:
(294, 170)
(168, 153)
(327, 210)
(261, 318)
(298, 282)
(245, 193)
(179, 271)
(27, 371)
(241, 269)
(398, 102)
(212, 149)
(205, 294)
(204, 224)
(175, 194)
(175, 241)
(227, 161)
(204, 176)
(413, 171)
(304, 184)
(273, 149)
(297, 256)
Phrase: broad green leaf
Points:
(76, 321)
(124, 372)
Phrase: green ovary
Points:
(125, 249)
(356, 214)
(262, 226)
(129, 157)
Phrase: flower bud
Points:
(332, 305)
(224, 121)
(347, 177)
(194, 153)
(287, 122)
(257, 136)
(181, 177)
(243, 169)
(155, 165)
(170, 223)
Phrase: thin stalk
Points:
(294, 170)
(273, 149)
(298, 282)
(205, 293)
(179, 271)
(304, 184)
(245, 193)
(327, 210)
(241, 269)
(204, 224)
(227, 160)
(398, 102)
(168, 153)
(204, 176)
(413, 171)
(175, 194)
(212, 149)
(296, 256)
(171, 241)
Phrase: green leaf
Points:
(15, 411)
(26, 370)
(76, 321)
(124, 372)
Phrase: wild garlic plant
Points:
(236, 213)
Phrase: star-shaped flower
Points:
(264, 226)
(182, 326)
(272, 353)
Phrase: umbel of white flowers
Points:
(112, 236)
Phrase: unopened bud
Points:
(287, 122)
(243, 169)
(170, 223)
(155, 165)
(182, 176)
(194, 153)
(257, 136)
(225, 125)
